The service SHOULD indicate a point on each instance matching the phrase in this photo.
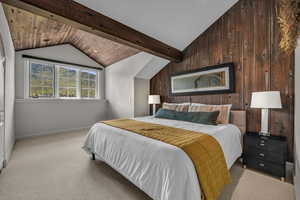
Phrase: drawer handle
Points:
(262, 144)
(261, 164)
(262, 155)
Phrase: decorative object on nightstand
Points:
(265, 153)
(265, 101)
(154, 99)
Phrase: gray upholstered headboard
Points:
(238, 118)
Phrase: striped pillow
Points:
(224, 110)
(179, 107)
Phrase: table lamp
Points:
(154, 99)
(265, 101)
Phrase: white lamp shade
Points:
(270, 99)
(154, 99)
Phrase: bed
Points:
(161, 170)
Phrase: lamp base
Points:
(153, 109)
(264, 122)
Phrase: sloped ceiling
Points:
(174, 22)
(33, 31)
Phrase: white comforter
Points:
(162, 171)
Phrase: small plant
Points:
(289, 21)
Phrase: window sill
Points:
(58, 100)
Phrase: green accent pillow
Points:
(209, 118)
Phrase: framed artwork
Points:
(216, 79)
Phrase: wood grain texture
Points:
(72, 13)
(247, 35)
(32, 31)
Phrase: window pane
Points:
(84, 75)
(84, 84)
(85, 93)
(36, 68)
(92, 75)
(63, 83)
(62, 72)
(41, 80)
(35, 80)
(72, 82)
(49, 91)
(47, 82)
(47, 71)
(88, 84)
(67, 82)
(92, 93)
(72, 92)
(92, 84)
(36, 92)
(63, 92)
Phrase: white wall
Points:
(40, 117)
(141, 93)
(119, 84)
(46, 117)
(128, 85)
(9, 84)
(297, 121)
(152, 68)
(2, 106)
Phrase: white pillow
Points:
(180, 107)
(224, 115)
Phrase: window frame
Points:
(89, 88)
(56, 66)
(28, 79)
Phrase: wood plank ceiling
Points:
(32, 31)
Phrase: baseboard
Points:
(7, 157)
(18, 137)
(1, 165)
(8, 154)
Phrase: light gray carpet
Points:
(55, 167)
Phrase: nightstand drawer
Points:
(264, 143)
(277, 158)
(274, 169)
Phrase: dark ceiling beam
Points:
(81, 17)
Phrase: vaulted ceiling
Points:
(32, 31)
(174, 22)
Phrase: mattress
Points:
(161, 170)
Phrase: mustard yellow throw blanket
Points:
(204, 151)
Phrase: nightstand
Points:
(265, 153)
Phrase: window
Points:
(41, 80)
(67, 84)
(88, 84)
(47, 80)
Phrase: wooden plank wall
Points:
(248, 35)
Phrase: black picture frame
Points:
(231, 89)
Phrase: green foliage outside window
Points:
(41, 80)
(70, 81)
(67, 82)
(88, 84)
